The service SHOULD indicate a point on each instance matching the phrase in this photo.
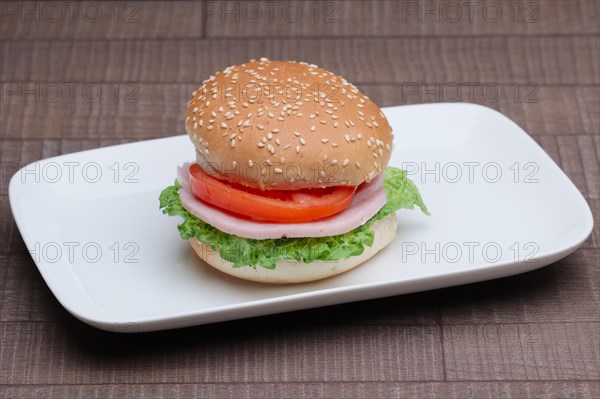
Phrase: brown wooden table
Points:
(535, 335)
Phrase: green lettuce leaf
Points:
(401, 193)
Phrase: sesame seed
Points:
(357, 165)
(209, 127)
(195, 109)
(335, 124)
(324, 140)
(278, 170)
(297, 134)
(297, 149)
(269, 136)
(313, 128)
(213, 113)
(275, 130)
(195, 125)
(302, 141)
(261, 127)
(250, 163)
(271, 115)
(346, 161)
(261, 145)
(323, 122)
(271, 149)
(233, 143)
(287, 146)
(359, 136)
(223, 125)
(347, 138)
(312, 116)
(232, 136)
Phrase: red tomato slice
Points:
(270, 205)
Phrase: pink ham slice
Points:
(369, 199)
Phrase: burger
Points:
(291, 181)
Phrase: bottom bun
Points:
(288, 271)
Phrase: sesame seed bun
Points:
(287, 125)
(287, 272)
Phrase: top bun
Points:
(287, 125)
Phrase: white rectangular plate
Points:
(499, 205)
